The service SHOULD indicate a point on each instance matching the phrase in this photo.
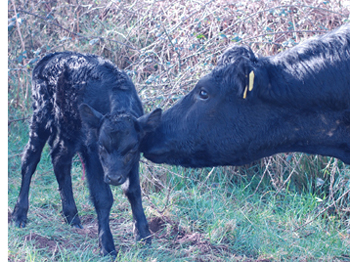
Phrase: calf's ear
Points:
(149, 122)
(90, 116)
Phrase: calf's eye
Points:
(203, 94)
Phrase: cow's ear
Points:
(149, 122)
(90, 116)
(234, 53)
(242, 76)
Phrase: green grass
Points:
(216, 220)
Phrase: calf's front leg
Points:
(132, 190)
(102, 199)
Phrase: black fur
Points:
(83, 103)
(300, 101)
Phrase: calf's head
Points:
(118, 139)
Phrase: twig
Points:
(206, 179)
(262, 177)
(324, 210)
(15, 155)
(18, 29)
(284, 32)
(19, 119)
(290, 175)
(77, 34)
(167, 201)
(279, 7)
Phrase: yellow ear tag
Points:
(251, 80)
(245, 92)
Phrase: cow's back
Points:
(315, 72)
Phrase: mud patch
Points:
(91, 231)
(168, 231)
(88, 219)
(191, 239)
(156, 224)
(200, 242)
(90, 227)
(164, 227)
(43, 242)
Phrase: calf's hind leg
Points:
(31, 156)
(62, 153)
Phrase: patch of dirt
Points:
(191, 239)
(88, 230)
(200, 242)
(164, 227)
(88, 219)
(43, 242)
(167, 230)
(197, 240)
(90, 227)
(156, 224)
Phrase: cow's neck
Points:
(324, 133)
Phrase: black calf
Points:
(83, 103)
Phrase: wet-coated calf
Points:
(85, 104)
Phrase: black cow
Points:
(85, 104)
(251, 107)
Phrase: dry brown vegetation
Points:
(164, 45)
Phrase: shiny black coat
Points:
(85, 104)
(299, 100)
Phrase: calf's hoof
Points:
(19, 220)
(113, 254)
(72, 219)
(20, 224)
(146, 238)
(143, 235)
(79, 226)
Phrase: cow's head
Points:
(219, 122)
(118, 139)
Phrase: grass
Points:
(192, 221)
(289, 207)
(195, 215)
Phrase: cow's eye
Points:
(203, 95)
